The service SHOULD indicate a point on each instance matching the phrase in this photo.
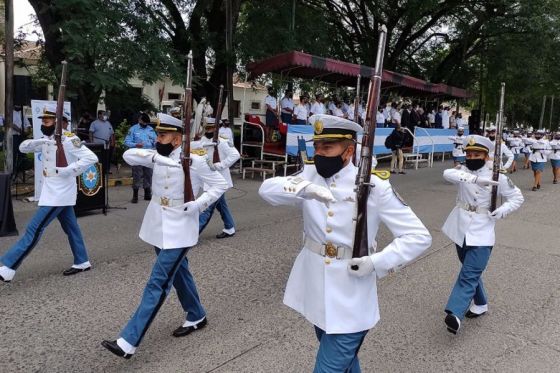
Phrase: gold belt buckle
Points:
(331, 250)
(164, 201)
(44, 172)
(472, 208)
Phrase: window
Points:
(255, 105)
(173, 96)
(236, 108)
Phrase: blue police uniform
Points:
(141, 175)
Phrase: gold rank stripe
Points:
(470, 147)
(332, 136)
(166, 129)
(382, 174)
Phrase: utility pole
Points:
(230, 59)
(551, 110)
(542, 111)
(9, 93)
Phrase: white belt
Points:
(472, 208)
(329, 249)
(167, 202)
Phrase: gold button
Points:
(329, 229)
(327, 261)
(330, 213)
(333, 185)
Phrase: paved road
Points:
(50, 323)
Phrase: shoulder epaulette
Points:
(382, 174)
(223, 137)
(308, 162)
(200, 152)
(68, 134)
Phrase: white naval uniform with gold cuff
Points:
(321, 288)
(60, 190)
(165, 224)
(228, 155)
(507, 155)
(469, 221)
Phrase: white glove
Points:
(319, 193)
(219, 166)
(361, 267)
(211, 165)
(191, 207)
(43, 141)
(482, 181)
(165, 161)
(497, 214)
(65, 171)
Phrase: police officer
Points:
(507, 155)
(471, 227)
(540, 148)
(555, 157)
(141, 136)
(170, 225)
(458, 151)
(339, 301)
(58, 197)
(228, 156)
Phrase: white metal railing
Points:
(416, 148)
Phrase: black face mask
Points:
(475, 164)
(164, 149)
(328, 166)
(47, 130)
(556, 137)
(143, 125)
(492, 138)
(208, 135)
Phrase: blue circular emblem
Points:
(90, 180)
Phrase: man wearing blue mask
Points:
(141, 136)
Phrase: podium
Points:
(93, 182)
(7, 221)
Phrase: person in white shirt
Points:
(300, 111)
(507, 155)
(337, 111)
(287, 106)
(318, 106)
(555, 157)
(515, 144)
(445, 117)
(432, 118)
(380, 118)
(271, 119)
(395, 115)
(458, 149)
(332, 104)
(470, 225)
(539, 151)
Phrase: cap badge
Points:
(472, 141)
(318, 127)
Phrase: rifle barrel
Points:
(186, 148)
(498, 149)
(60, 155)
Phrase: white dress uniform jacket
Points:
(317, 108)
(57, 189)
(166, 225)
(228, 156)
(555, 149)
(515, 144)
(539, 150)
(320, 288)
(507, 155)
(469, 221)
(458, 150)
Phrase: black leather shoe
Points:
(114, 348)
(72, 271)
(472, 315)
(147, 194)
(224, 235)
(453, 323)
(183, 331)
(538, 186)
(3, 280)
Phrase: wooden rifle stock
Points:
(60, 155)
(498, 149)
(363, 178)
(186, 148)
(216, 139)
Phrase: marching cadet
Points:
(458, 151)
(228, 156)
(506, 153)
(540, 148)
(339, 301)
(471, 227)
(555, 157)
(528, 141)
(171, 226)
(58, 197)
(515, 143)
(142, 136)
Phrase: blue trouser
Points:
(222, 207)
(170, 269)
(42, 218)
(469, 284)
(338, 353)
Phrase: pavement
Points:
(51, 323)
